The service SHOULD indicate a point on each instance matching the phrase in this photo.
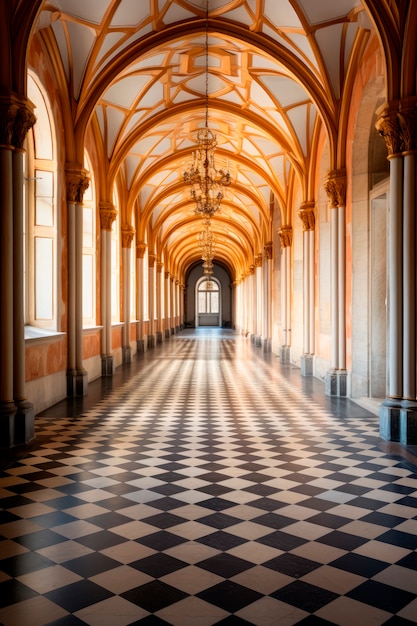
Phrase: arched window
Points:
(89, 250)
(40, 219)
(208, 302)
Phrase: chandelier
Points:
(205, 180)
(206, 243)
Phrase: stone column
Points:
(258, 301)
(398, 413)
(140, 253)
(285, 236)
(336, 378)
(172, 298)
(177, 306)
(108, 214)
(167, 284)
(159, 268)
(128, 232)
(77, 182)
(24, 430)
(307, 216)
(16, 413)
(267, 298)
(151, 298)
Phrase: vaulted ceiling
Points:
(134, 73)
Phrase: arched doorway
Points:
(208, 302)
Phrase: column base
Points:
(266, 345)
(408, 423)
(177, 329)
(285, 354)
(336, 383)
(8, 412)
(107, 365)
(140, 346)
(158, 337)
(167, 333)
(258, 341)
(126, 354)
(307, 363)
(389, 419)
(24, 423)
(151, 341)
(77, 383)
(172, 330)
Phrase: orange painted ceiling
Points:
(135, 71)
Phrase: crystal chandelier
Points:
(205, 180)
(206, 243)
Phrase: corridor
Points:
(207, 484)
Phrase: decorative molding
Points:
(268, 248)
(140, 250)
(108, 214)
(307, 215)
(77, 182)
(285, 236)
(335, 187)
(128, 233)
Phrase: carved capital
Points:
(108, 214)
(258, 260)
(128, 232)
(77, 182)
(140, 250)
(285, 236)
(335, 187)
(268, 247)
(307, 216)
(388, 126)
(167, 275)
(251, 270)
(159, 267)
(8, 114)
(408, 125)
(151, 260)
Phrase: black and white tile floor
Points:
(208, 488)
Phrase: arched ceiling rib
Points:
(276, 70)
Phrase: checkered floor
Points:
(208, 488)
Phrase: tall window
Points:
(208, 297)
(89, 250)
(40, 216)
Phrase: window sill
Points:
(33, 333)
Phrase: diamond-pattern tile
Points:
(208, 483)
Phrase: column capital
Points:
(16, 118)
(108, 214)
(258, 260)
(251, 270)
(335, 186)
(151, 260)
(268, 248)
(128, 232)
(307, 215)
(140, 249)
(407, 117)
(159, 267)
(77, 182)
(388, 126)
(285, 236)
(167, 275)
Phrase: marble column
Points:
(151, 298)
(108, 214)
(307, 216)
(140, 253)
(128, 233)
(285, 236)
(77, 182)
(172, 300)
(258, 301)
(16, 412)
(267, 297)
(398, 413)
(336, 378)
(167, 305)
(159, 275)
